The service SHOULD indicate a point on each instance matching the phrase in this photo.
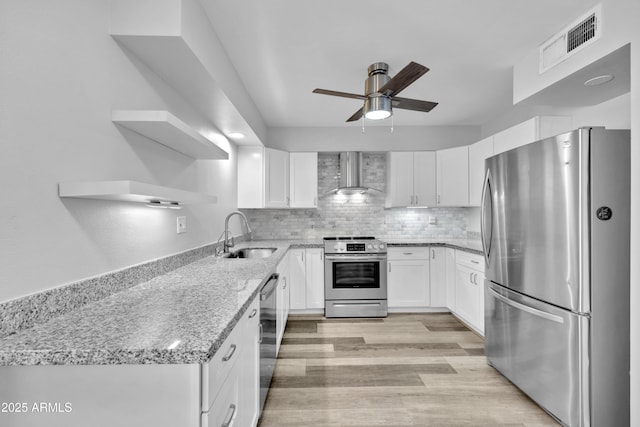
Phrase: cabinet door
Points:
(303, 180)
(408, 283)
(314, 264)
(276, 194)
(478, 152)
(249, 387)
(297, 280)
(399, 179)
(250, 177)
(438, 277)
(451, 278)
(424, 178)
(467, 295)
(282, 297)
(453, 176)
(479, 281)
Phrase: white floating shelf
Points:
(166, 129)
(130, 191)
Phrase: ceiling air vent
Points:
(574, 37)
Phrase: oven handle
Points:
(355, 257)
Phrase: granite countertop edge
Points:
(61, 340)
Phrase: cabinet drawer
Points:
(407, 253)
(225, 409)
(218, 368)
(470, 260)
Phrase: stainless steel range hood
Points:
(351, 174)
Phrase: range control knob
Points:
(381, 246)
(369, 246)
(375, 246)
(335, 247)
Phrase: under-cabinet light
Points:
(163, 205)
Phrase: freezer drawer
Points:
(542, 349)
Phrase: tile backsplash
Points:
(340, 215)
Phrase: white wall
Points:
(375, 138)
(61, 76)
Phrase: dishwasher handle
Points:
(270, 287)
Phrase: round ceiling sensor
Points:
(600, 80)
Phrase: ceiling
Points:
(283, 49)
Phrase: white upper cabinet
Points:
(478, 153)
(263, 178)
(453, 176)
(538, 127)
(411, 179)
(276, 182)
(303, 180)
(424, 178)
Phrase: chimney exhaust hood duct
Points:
(351, 174)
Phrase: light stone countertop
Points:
(198, 305)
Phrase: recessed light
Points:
(236, 135)
(600, 80)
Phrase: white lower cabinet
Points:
(230, 381)
(408, 277)
(469, 298)
(283, 300)
(249, 385)
(450, 265)
(306, 278)
(438, 276)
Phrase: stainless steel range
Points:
(355, 277)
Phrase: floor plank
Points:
(422, 369)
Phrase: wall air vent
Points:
(574, 37)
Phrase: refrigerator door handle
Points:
(526, 308)
(486, 213)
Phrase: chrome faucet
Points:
(229, 244)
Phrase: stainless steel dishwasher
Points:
(267, 335)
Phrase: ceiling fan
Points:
(381, 90)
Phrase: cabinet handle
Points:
(411, 200)
(288, 201)
(416, 199)
(433, 254)
(253, 313)
(284, 280)
(389, 267)
(260, 335)
(470, 277)
(438, 199)
(407, 253)
(475, 261)
(229, 355)
(230, 413)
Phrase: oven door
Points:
(358, 277)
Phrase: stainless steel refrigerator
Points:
(555, 231)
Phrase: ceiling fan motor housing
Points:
(378, 77)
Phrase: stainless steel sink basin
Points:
(252, 253)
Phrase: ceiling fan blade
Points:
(412, 104)
(356, 116)
(342, 94)
(409, 74)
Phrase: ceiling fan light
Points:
(377, 107)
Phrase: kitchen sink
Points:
(252, 253)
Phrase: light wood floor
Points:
(404, 370)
